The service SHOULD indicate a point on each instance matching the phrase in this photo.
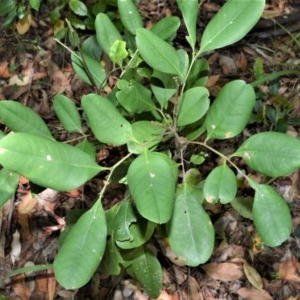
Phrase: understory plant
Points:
(161, 113)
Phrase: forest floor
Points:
(34, 68)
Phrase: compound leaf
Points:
(82, 250)
(47, 163)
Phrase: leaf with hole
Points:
(271, 215)
(190, 231)
(232, 22)
(220, 184)
(193, 105)
(20, 118)
(230, 112)
(106, 122)
(271, 153)
(82, 250)
(151, 179)
(48, 163)
(67, 113)
(157, 53)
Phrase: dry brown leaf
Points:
(253, 276)
(23, 25)
(223, 271)
(20, 288)
(194, 289)
(4, 70)
(287, 270)
(254, 294)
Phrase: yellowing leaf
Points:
(23, 25)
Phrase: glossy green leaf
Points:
(145, 267)
(184, 62)
(230, 112)
(162, 95)
(8, 185)
(157, 53)
(190, 231)
(271, 153)
(67, 113)
(118, 52)
(78, 7)
(166, 28)
(220, 184)
(146, 136)
(193, 105)
(243, 205)
(106, 122)
(95, 74)
(151, 180)
(189, 10)
(232, 22)
(129, 15)
(106, 32)
(47, 163)
(20, 118)
(35, 4)
(134, 97)
(271, 215)
(82, 250)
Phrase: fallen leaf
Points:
(223, 271)
(287, 270)
(253, 276)
(4, 70)
(254, 294)
(23, 25)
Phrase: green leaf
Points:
(146, 135)
(162, 95)
(271, 215)
(190, 231)
(78, 7)
(91, 48)
(7, 6)
(67, 113)
(108, 125)
(232, 22)
(166, 28)
(193, 105)
(189, 10)
(129, 15)
(184, 62)
(243, 205)
(151, 180)
(82, 249)
(145, 267)
(35, 4)
(106, 32)
(220, 184)
(271, 153)
(20, 118)
(87, 147)
(95, 74)
(157, 53)
(47, 163)
(199, 74)
(118, 52)
(8, 185)
(134, 97)
(230, 112)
